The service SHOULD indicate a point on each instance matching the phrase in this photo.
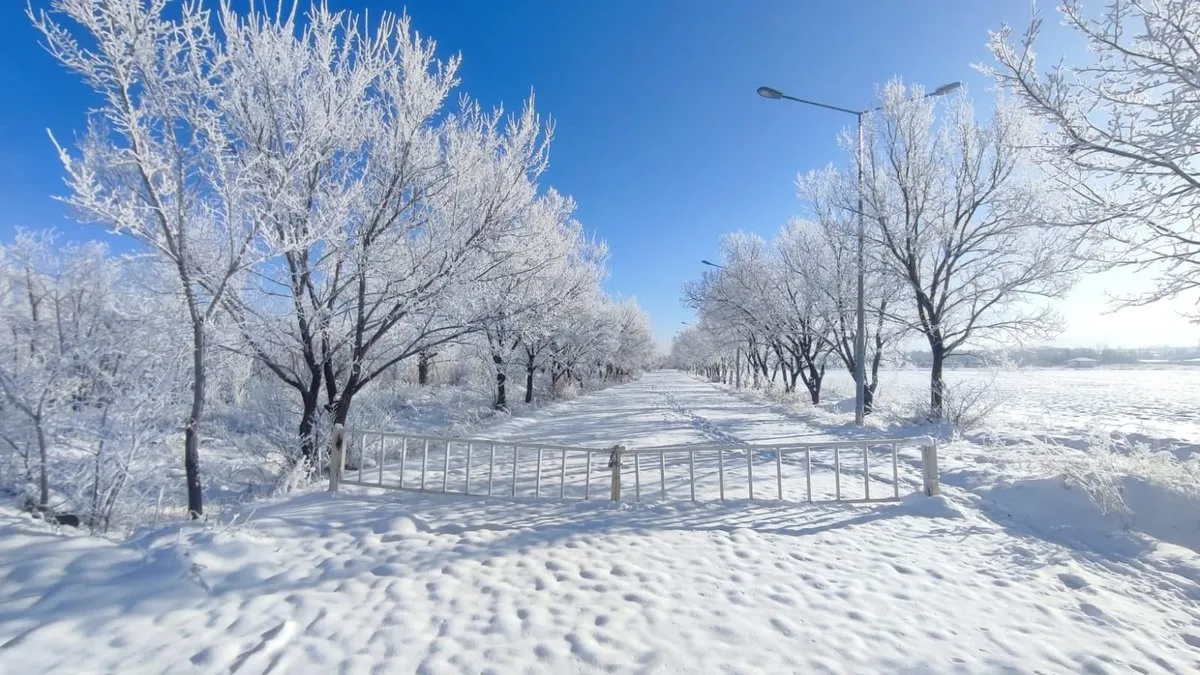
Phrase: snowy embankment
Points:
(1097, 457)
(398, 582)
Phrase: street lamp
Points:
(712, 264)
(860, 339)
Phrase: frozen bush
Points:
(1103, 470)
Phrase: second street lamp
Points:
(860, 338)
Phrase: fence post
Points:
(614, 462)
(337, 458)
(930, 467)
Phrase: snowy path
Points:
(401, 582)
(662, 409)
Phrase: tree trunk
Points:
(308, 424)
(341, 409)
(94, 511)
(423, 368)
(873, 380)
(937, 385)
(43, 479)
(501, 398)
(191, 429)
(813, 383)
(529, 381)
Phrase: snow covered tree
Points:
(598, 340)
(705, 348)
(634, 342)
(134, 393)
(88, 365)
(51, 306)
(382, 216)
(823, 253)
(1124, 127)
(757, 301)
(581, 340)
(523, 294)
(157, 162)
(436, 226)
(960, 217)
(305, 105)
(573, 283)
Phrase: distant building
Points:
(1082, 362)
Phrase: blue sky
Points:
(660, 136)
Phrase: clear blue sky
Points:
(660, 136)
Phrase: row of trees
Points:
(972, 227)
(784, 309)
(956, 248)
(306, 197)
(92, 362)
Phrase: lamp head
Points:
(946, 88)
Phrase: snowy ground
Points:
(374, 581)
(1160, 404)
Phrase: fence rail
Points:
(867, 470)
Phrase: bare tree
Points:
(88, 366)
(1125, 125)
(960, 218)
(821, 255)
(300, 103)
(156, 163)
(520, 295)
(436, 227)
(385, 216)
(37, 374)
(758, 298)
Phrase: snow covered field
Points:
(374, 581)
(1159, 403)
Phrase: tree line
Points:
(973, 227)
(307, 198)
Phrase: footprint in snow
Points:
(1094, 611)
(1073, 581)
(271, 642)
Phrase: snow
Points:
(1018, 576)
(1160, 404)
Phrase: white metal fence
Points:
(868, 470)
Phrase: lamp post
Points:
(860, 338)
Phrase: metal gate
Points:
(831, 471)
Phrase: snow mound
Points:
(1060, 508)
(398, 526)
(939, 506)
